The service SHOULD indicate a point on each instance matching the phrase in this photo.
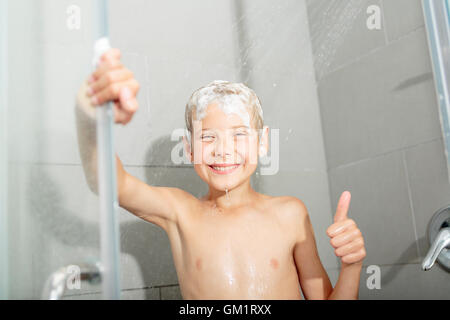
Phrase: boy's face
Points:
(225, 150)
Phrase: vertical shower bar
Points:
(107, 180)
(4, 285)
(436, 14)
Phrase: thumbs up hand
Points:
(345, 236)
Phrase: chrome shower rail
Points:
(436, 14)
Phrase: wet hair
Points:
(225, 92)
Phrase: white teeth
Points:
(225, 168)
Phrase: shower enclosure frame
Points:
(437, 23)
(106, 164)
(4, 283)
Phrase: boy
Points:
(234, 243)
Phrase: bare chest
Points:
(248, 254)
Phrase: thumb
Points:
(342, 207)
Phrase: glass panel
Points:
(3, 151)
(52, 215)
(438, 27)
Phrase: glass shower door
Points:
(437, 20)
(53, 229)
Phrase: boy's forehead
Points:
(215, 117)
(225, 122)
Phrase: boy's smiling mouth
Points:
(224, 168)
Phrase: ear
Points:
(264, 142)
(187, 149)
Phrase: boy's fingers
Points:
(120, 116)
(106, 79)
(111, 92)
(349, 248)
(355, 257)
(345, 237)
(130, 105)
(339, 227)
(105, 66)
(112, 53)
(128, 96)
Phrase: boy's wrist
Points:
(352, 265)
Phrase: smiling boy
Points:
(233, 243)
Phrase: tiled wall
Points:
(383, 141)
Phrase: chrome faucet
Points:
(56, 283)
(440, 243)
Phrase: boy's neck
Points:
(239, 196)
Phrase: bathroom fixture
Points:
(439, 239)
(57, 282)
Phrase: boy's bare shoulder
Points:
(291, 213)
(288, 207)
(183, 200)
(185, 197)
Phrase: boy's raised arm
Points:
(313, 277)
(87, 139)
(112, 82)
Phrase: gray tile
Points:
(402, 17)
(406, 281)
(272, 37)
(383, 102)
(339, 32)
(291, 108)
(140, 294)
(130, 294)
(430, 189)
(380, 206)
(198, 31)
(86, 296)
(171, 293)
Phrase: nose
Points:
(224, 147)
